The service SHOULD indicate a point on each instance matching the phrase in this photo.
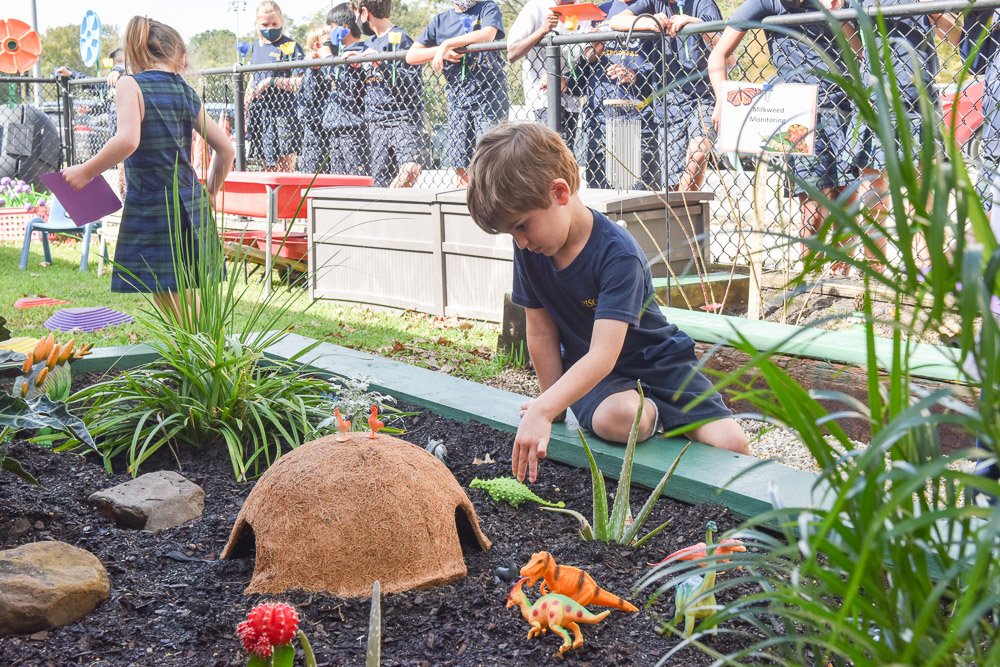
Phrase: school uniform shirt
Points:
(284, 50)
(991, 102)
(911, 44)
(686, 56)
(973, 25)
(389, 98)
(610, 279)
(345, 106)
(473, 80)
(794, 59)
(533, 74)
(642, 56)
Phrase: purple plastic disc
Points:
(86, 319)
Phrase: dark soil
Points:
(173, 602)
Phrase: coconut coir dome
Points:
(335, 516)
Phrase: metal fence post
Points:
(239, 121)
(553, 67)
(66, 121)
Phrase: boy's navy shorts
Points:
(676, 385)
(988, 182)
(393, 144)
(467, 126)
(867, 151)
(279, 134)
(827, 168)
(685, 120)
(348, 151)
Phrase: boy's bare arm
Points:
(535, 429)
(543, 346)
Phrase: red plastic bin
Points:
(245, 192)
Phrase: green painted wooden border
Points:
(705, 475)
(932, 362)
(118, 357)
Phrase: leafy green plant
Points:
(213, 381)
(891, 566)
(37, 398)
(618, 525)
(354, 398)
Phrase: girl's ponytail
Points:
(148, 42)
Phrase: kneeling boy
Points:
(593, 327)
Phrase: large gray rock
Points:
(153, 501)
(47, 585)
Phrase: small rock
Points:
(19, 527)
(153, 501)
(48, 585)
(39, 525)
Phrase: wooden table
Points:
(275, 195)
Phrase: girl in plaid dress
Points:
(157, 112)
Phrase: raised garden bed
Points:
(173, 602)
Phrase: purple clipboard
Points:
(88, 204)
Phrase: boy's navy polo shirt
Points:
(482, 70)
(609, 280)
(642, 56)
(385, 101)
(973, 25)
(274, 52)
(686, 55)
(911, 43)
(345, 107)
(794, 59)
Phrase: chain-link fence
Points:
(635, 108)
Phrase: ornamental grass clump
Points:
(897, 561)
(619, 526)
(213, 381)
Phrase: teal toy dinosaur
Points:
(694, 597)
(510, 491)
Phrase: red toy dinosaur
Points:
(700, 551)
(570, 581)
(343, 425)
(373, 423)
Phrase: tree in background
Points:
(212, 48)
(61, 46)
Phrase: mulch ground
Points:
(173, 602)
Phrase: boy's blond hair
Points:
(511, 174)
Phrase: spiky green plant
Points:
(619, 526)
(213, 381)
(892, 567)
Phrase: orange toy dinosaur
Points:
(553, 612)
(343, 425)
(373, 423)
(570, 581)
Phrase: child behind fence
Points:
(394, 98)
(273, 129)
(343, 116)
(313, 97)
(477, 82)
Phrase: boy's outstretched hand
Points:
(531, 443)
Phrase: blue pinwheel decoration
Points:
(90, 38)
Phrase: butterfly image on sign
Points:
(778, 119)
(742, 96)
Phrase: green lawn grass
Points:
(462, 348)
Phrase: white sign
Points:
(776, 119)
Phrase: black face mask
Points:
(271, 34)
(366, 28)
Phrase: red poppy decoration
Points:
(19, 46)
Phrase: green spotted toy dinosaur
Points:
(554, 612)
(510, 491)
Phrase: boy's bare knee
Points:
(725, 434)
(613, 418)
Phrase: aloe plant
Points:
(619, 526)
(374, 656)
